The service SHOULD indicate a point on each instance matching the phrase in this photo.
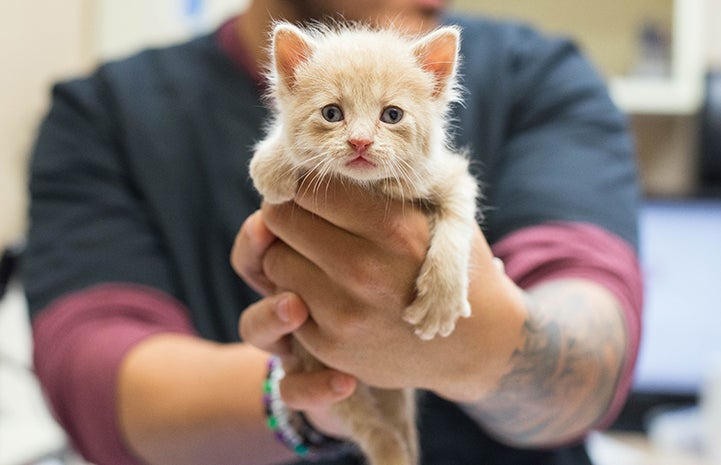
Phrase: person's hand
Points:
(353, 256)
(267, 325)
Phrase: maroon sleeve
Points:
(80, 341)
(577, 250)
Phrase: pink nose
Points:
(361, 145)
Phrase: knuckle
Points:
(359, 272)
(342, 328)
(377, 281)
(408, 237)
(236, 253)
(368, 278)
(271, 262)
(246, 327)
(276, 214)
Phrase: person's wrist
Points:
(292, 428)
(483, 344)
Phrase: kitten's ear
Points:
(438, 53)
(291, 47)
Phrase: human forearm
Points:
(185, 400)
(496, 359)
(563, 375)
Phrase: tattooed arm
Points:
(564, 374)
(536, 368)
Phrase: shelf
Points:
(657, 95)
(682, 92)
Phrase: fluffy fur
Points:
(371, 106)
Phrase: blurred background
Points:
(662, 61)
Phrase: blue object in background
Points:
(194, 8)
(193, 13)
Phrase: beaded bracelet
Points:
(292, 428)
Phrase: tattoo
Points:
(564, 375)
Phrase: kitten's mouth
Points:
(360, 162)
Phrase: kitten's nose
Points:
(360, 145)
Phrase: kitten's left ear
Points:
(291, 48)
(438, 53)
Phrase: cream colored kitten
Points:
(370, 106)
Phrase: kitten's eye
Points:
(392, 115)
(332, 113)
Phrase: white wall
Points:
(35, 50)
(714, 33)
(127, 25)
(42, 41)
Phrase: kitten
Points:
(370, 106)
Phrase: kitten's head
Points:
(365, 104)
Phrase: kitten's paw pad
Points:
(465, 309)
(414, 314)
(430, 321)
(447, 328)
(428, 332)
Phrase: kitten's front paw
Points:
(275, 189)
(273, 176)
(432, 316)
(279, 193)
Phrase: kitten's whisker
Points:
(304, 181)
(315, 161)
(413, 178)
(392, 177)
(313, 180)
(321, 172)
(324, 174)
(310, 179)
(401, 174)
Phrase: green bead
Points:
(300, 449)
(267, 386)
(272, 423)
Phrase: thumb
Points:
(315, 393)
(317, 389)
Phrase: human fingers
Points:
(313, 390)
(362, 211)
(365, 269)
(327, 301)
(268, 323)
(312, 236)
(246, 257)
(340, 298)
(314, 393)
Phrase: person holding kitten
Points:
(154, 347)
